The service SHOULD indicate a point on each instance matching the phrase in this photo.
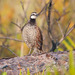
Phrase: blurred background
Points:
(18, 11)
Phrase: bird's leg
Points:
(34, 52)
(30, 52)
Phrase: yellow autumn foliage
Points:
(12, 11)
(6, 15)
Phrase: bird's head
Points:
(33, 15)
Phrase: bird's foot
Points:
(29, 55)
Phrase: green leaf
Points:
(71, 42)
(71, 63)
(48, 70)
(28, 72)
(67, 45)
(60, 49)
(20, 73)
(4, 73)
(48, 73)
(43, 72)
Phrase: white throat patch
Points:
(33, 17)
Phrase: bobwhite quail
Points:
(32, 35)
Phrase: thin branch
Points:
(49, 18)
(60, 29)
(43, 8)
(64, 14)
(60, 17)
(58, 43)
(8, 49)
(11, 39)
(67, 28)
(2, 47)
(16, 24)
(56, 11)
(69, 31)
(23, 10)
(49, 29)
(22, 5)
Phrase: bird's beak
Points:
(37, 15)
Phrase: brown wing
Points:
(39, 39)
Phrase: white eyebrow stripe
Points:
(34, 13)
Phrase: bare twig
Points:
(8, 49)
(58, 43)
(56, 11)
(22, 5)
(69, 31)
(60, 28)
(49, 18)
(60, 17)
(43, 8)
(23, 10)
(16, 25)
(11, 39)
(67, 28)
(49, 29)
(2, 47)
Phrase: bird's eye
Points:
(34, 14)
